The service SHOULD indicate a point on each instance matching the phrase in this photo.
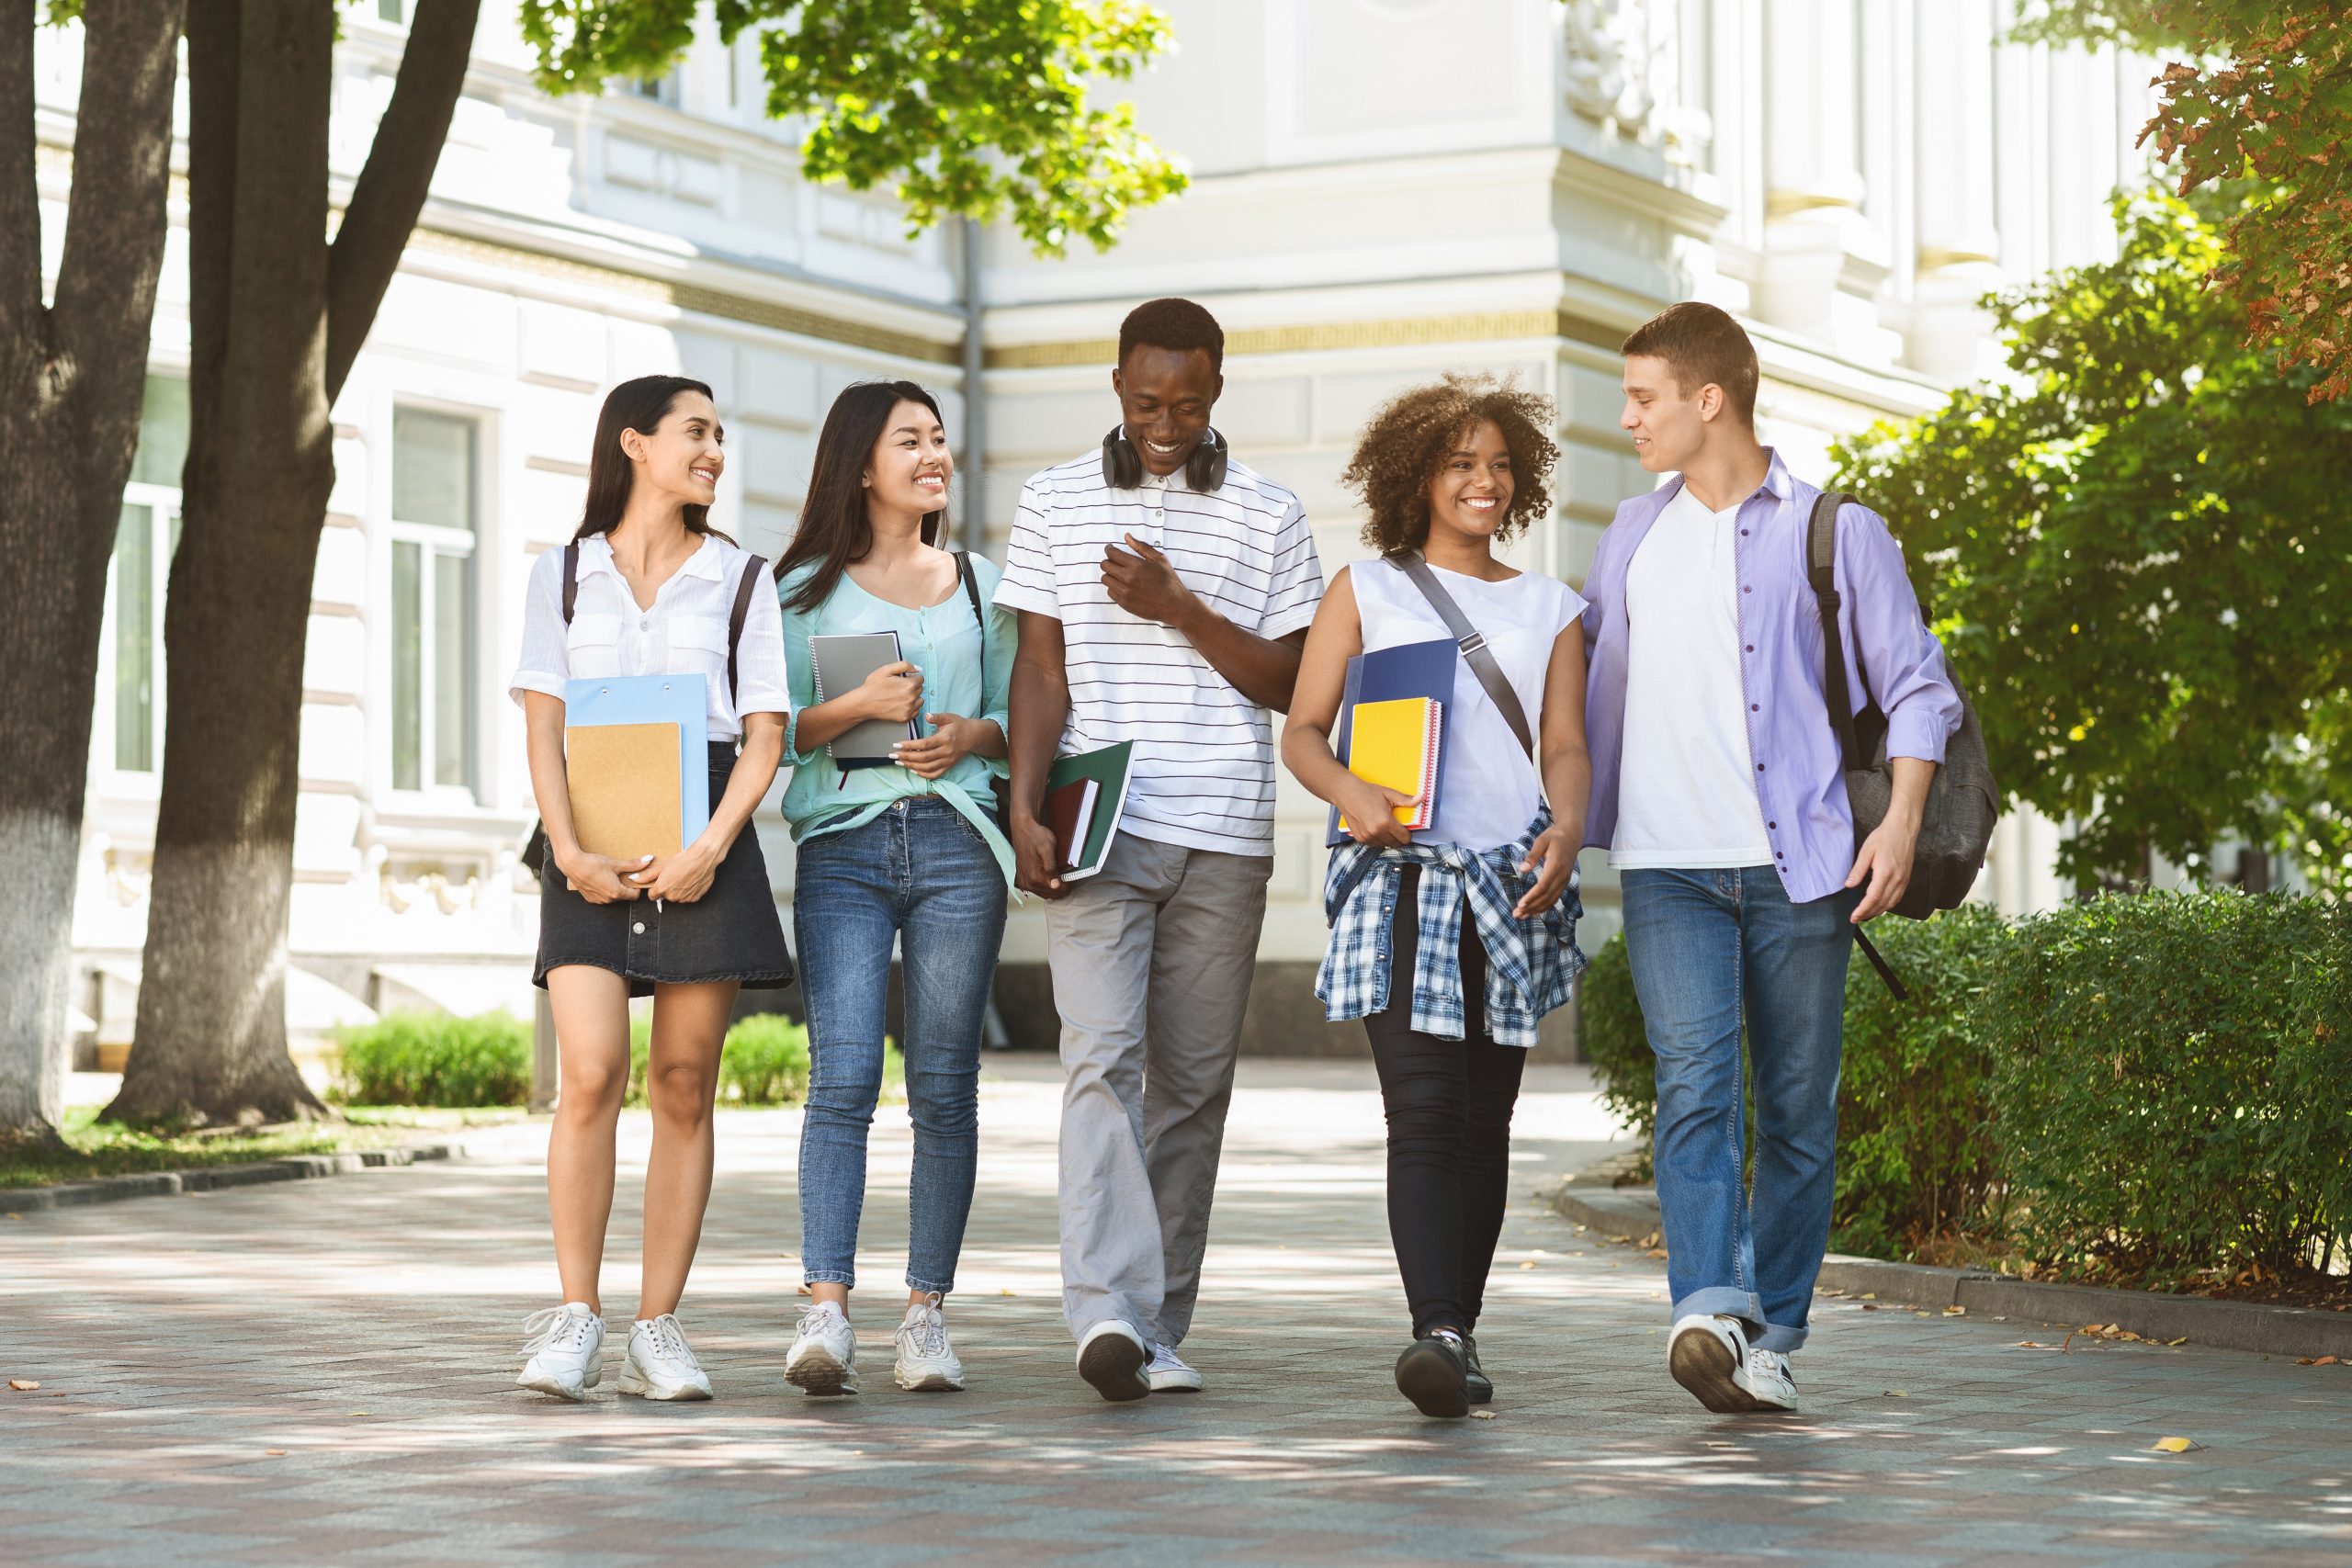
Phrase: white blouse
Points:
(1486, 791)
(684, 634)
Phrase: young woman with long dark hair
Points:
(908, 853)
(647, 587)
(1447, 470)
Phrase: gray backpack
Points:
(1956, 827)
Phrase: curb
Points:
(214, 1179)
(1632, 1212)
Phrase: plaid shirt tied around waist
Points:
(1530, 964)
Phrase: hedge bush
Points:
(1914, 1148)
(414, 1057)
(2176, 1091)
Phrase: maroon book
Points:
(1070, 811)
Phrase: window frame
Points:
(162, 502)
(434, 542)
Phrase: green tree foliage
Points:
(2135, 549)
(973, 109)
(2264, 96)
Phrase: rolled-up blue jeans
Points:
(921, 875)
(1709, 950)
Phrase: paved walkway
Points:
(318, 1372)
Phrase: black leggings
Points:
(1449, 1104)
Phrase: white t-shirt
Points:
(1487, 789)
(1686, 791)
(683, 633)
(1204, 769)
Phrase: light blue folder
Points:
(681, 700)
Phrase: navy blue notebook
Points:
(1409, 670)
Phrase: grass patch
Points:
(98, 1148)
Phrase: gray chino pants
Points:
(1152, 959)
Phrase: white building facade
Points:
(1382, 190)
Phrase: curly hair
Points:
(1406, 445)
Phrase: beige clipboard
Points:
(624, 786)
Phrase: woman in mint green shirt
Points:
(905, 853)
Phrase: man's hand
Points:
(1141, 583)
(1884, 861)
(1551, 862)
(1037, 858)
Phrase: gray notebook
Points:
(843, 662)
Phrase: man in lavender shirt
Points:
(1718, 791)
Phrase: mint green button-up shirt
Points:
(946, 643)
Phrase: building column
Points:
(1958, 241)
(1811, 167)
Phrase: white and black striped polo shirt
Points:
(1204, 754)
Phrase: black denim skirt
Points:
(731, 932)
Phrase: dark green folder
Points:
(1108, 768)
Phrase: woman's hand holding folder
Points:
(600, 879)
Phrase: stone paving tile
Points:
(366, 1325)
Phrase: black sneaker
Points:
(1432, 1373)
(1478, 1387)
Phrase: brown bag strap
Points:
(1475, 651)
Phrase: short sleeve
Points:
(546, 662)
(1295, 587)
(996, 665)
(1571, 610)
(759, 679)
(1028, 580)
(800, 670)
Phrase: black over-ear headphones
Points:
(1123, 465)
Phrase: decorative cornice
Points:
(1488, 326)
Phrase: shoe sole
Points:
(927, 1383)
(1705, 1365)
(646, 1389)
(551, 1385)
(1178, 1384)
(1112, 1365)
(1475, 1394)
(1433, 1381)
(817, 1373)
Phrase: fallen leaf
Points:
(1869, 1306)
(1482, 1415)
(274, 1453)
(2031, 1345)
(1955, 1312)
(1657, 1252)
(2305, 1361)
(805, 1290)
(1870, 1295)
(23, 1386)
(2324, 1361)
(1529, 1264)
(360, 1413)
(1004, 1292)
(1898, 1393)
(2182, 1340)
(2173, 1446)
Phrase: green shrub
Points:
(435, 1058)
(1915, 1142)
(2173, 1083)
(1917, 1152)
(765, 1062)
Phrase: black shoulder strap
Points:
(753, 569)
(972, 593)
(1821, 571)
(570, 579)
(1475, 651)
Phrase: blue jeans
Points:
(919, 874)
(1708, 947)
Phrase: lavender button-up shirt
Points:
(1800, 778)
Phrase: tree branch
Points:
(20, 306)
(399, 171)
(114, 217)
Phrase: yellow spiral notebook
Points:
(1395, 744)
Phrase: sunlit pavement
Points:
(320, 1373)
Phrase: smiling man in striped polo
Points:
(1164, 592)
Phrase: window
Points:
(392, 11)
(145, 538)
(667, 89)
(436, 487)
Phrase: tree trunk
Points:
(71, 378)
(276, 318)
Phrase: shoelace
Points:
(1769, 1362)
(669, 1340)
(553, 1325)
(926, 1330)
(816, 1319)
(1165, 1359)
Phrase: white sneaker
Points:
(1706, 1355)
(561, 1348)
(1768, 1380)
(823, 1359)
(1169, 1374)
(926, 1360)
(1111, 1357)
(660, 1365)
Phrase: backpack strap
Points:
(570, 579)
(753, 569)
(1472, 643)
(1821, 571)
(972, 594)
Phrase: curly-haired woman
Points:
(1450, 997)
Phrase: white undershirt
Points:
(1685, 797)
